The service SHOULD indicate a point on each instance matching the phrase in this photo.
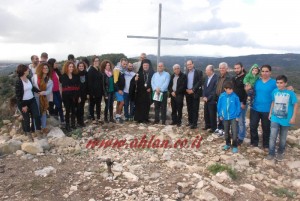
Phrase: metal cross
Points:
(159, 38)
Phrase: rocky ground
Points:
(63, 168)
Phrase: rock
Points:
(200, 185)
(32, 147)
(249, 187)
(86, 188)
(43, 143)
(10, 147)
(220, 177)
(166, 156)
(130, 177)
(13, 132)
(4, 138)
(56, 132)
(292, 139)
(296, 183)
(243, 162)
(20, 153)
(175, 164)
(203, 195)
(5, 122)
(155, 175)
(73, 188)
(222, 188)
(117, 167)
(64, 142)
(51, 121)
(46, 171)
(293, 164)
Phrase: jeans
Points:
(43, 116)
(234, 128)
(58, 105)
(255, 117)
(283, 131)
(33, 110)
(128, 103)
(242, 124)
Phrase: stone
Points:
(13, 132)
(249, 187)
(155, 175)
(204, 195)
(166, 156)
(32, 147)
(117, 167)
(52, 122)
(223, 188)
(200, 184)
(220, 177)
(6, 121)
(43, 143)
(293, 164)
(46, 171)
(175, 164)
(292, 139)
(56, 132)
(10, 147)
(130, 177)
(64, 142)
(296, 183)
(20, 153)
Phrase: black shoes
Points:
(193, 126)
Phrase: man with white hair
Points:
(137, 65)
(223, 77)
(177, 86)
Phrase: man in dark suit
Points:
(193, 93)
(209, 98)
(177, 87)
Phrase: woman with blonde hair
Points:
(42, 81)
(70, 92)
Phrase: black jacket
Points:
(70, 87)
(106, 84)
(238, 88)
(83, 77)
(120, 84)
(95, 82)
(210, 91)
(19, 89)
(197, 83)
(181, 84)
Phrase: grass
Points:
(215, 168)
(282, 192)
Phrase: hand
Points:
(173, 94)
(136, 77)
(120, 92)
(79, 100)
(270, 116)
(221, 118)
(205, 99)
(237, 119)
(293, 120)
(106, 97)
(243, 106)
(88, 97)
(247, 87)
(148, 90)
(189, 91)
(41, 93)
(24, 109)
(291, 88)
(157, 90)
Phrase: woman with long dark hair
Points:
(81, 67)
(26, 102)
(57, 101)
(108, 83)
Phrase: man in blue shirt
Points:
(159, 83)
(261, 106)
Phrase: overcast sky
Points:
(89, 27)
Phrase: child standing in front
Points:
(282, 114)
(229, 108)
(249, 82)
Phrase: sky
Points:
(216, 28)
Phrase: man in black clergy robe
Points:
(140, 91)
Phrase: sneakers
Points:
(226, 147)
(234, 150)
(217, 131)
(119, 120)
(221, 133)
(269, 157)
(279, 157)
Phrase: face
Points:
(176, 70)
(107, 66)
(146, 66)
(124, 64)
(254, 71)
(281, 84)
(55, 65)
(45, 69)
(222, 69)
(96, 62)
(35, 60)
(142, 57)
(70, 68)
(26, 73)
(189, 65)
(265, 73)
(81, 67)
(208, 71)
(238, 69)
(228, 91)
(160, 67)
(130, 67)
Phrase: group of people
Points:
(135, 86)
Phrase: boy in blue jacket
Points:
(229, 108)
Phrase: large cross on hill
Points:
(159, 38)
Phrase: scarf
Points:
(42, 83)
(108, 73)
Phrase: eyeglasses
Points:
(265, 71)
